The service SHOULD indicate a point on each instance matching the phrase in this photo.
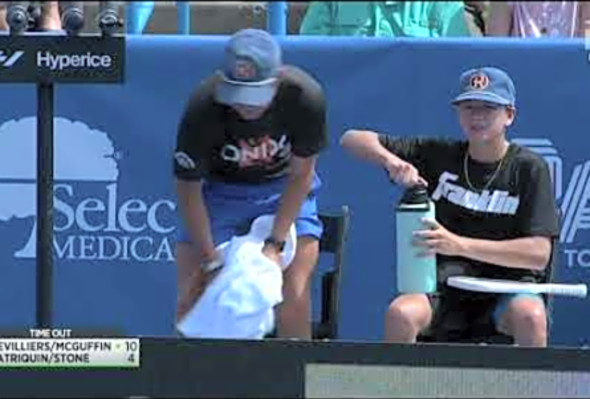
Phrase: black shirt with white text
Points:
(214, 142)
(517, 202)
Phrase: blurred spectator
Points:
(476, 14)
(538, 18)
(49, 18)
(386, 19)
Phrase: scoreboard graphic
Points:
(56, 348)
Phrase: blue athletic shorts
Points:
(456, 313)
(231, 207)
(504, 301)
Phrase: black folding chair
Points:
(333, 241)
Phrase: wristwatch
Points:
(212, 265)
(279, 245)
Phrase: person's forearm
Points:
(365, 145)
(196, 217)
(296, 191)
(520, 253)
(50, 18)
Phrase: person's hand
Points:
(198, 282)
(272, 253)
(199, 279)
(404, 173)
(436, 239)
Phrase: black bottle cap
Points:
(415, 195)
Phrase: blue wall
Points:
(402, 87)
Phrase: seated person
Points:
(475, 13)
(385, 19)
(48, 20)
(496, 217)
(538, 18)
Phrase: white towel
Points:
(239, 303)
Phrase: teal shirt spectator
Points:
(385, 19)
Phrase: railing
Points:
(138, 14)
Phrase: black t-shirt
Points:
(518, 201)
(213, 142)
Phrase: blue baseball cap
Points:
(488, 84)
(250, 67)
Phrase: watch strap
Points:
(280, 245)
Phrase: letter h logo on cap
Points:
(479, 81)
(244, 70)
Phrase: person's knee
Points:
(295, 310)
(409, 312)
(306, 253)
(525, 315)
(299, 273)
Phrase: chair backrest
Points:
(554, 257)
(333, 241)
(335, 230)
(553, 266)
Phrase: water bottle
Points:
(415, 274)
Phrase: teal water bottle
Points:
(415, 274)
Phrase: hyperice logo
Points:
(9, 59)
(60, 62)
(574, 203)
(93, 220)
